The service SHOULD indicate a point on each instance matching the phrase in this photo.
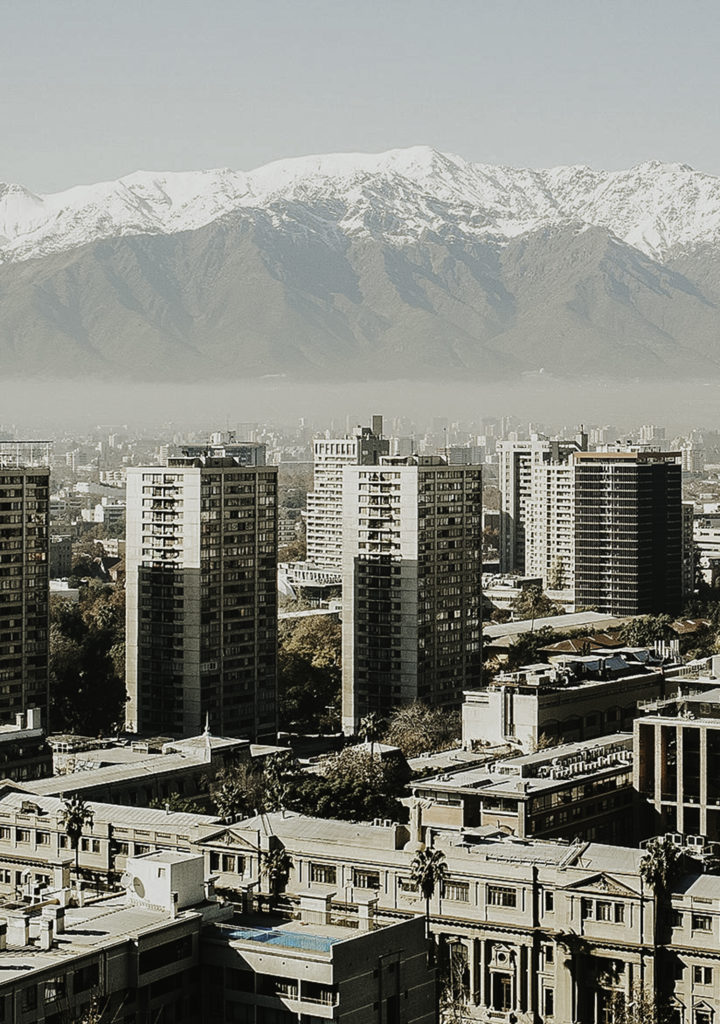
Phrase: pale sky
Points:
(95, 89)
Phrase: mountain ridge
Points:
(657, 207)
(409, 263)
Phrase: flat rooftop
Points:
(576, 620)
(93, 926)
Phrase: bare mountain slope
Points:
(406, 264)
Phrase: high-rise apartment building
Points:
(520, 462)
(325, 503)
(24, 588)
(412, 571)
(201, 562)
(628, 532)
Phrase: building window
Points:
(677, 919)
(587, 909)
(326, 874)
(22, 835)
(702, 975)
(29, 998)
(90, 845)
(549, 1002)
(407, 885)
(42, 838)
(365, 879)
(603, 911)
(549, 902)
(54, 989)
(501, 896)
(4, 832)
(549, 954)
(619, 913)
(458, 891)
(86, 977)
(702, 923)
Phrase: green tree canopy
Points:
(417, 729)
(309, 672)
(87, 661)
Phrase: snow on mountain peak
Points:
(657, 207)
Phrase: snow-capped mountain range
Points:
(657, 208)
(407, 263)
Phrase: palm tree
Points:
(369, 730)
(428, 868)
(661, 866)
(275, 866)
(76, 814)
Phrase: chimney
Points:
(46, 934)
(366, 913)
(34, 718)
(174, 898)
(56, 916)
(18, 928)
(315, 907)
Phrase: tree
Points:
(661, 866)
(453, 976)
(76, 814)
(181, 804)
(295, 551)
(428, 870)
(417, 728)
(525, 647)
(238, 791)
(531, 603)
(646, 630)
(87, 663)
(369, 730)
(275, 866)
(309, 671)
(354, 786)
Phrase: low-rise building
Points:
(546, 931)
(576, 790)
(579, 697)
(318, 968)
(33, 839)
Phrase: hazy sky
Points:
(95, 89)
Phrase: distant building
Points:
(201, 590)
(412, 572)
(224, 444)
(325, 502)
(60, 565)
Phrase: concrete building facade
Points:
(24, 589)
(412, 578)
(201, 589)
(325, 502)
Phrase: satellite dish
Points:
(139, 887)
(126, 880)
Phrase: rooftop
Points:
(119, 815)
(546, 769)
(559, 623)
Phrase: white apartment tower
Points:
(201, 591)
(324, 505)
(412, 572)
(519, 462)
